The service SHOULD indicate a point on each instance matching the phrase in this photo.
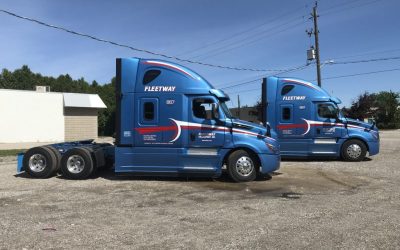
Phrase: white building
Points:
(41, 116)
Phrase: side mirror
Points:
(215, 112)
(268, 130)
(337, 120)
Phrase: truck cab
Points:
(172, 122)
(169, 122)
(307, 122)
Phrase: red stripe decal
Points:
(303, 84)
(168, 66)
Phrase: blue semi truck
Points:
(307, 122)
(169, 122)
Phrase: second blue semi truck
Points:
(307, 122)
(169, 121)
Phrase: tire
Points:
(354, 150)
(76, 164)
(93, 156)
(241, 166)
(58, 158)
(40, 162)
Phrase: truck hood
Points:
(253, 127)
(360, 123)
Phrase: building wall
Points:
(246, 113)
(80, 123)
(29, 116)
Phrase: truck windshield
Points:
(339, 111)
(226, 111)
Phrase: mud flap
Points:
(20, 165)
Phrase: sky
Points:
(256, 34)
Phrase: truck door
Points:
(291, 132)
(325, 129)
(205, 135)
(204, 130)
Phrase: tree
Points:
(383, 107)
(387, 115)
(362, 107)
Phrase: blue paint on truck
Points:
(169, 121)
(307, 122)
(173, 122)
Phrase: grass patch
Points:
(11, 152)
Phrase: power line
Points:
(325, 78)
(366, 54)
(351, 7)
(237, 34)
(243, 42)
(242, 80)
(244, 91)
(133, 48)
(283, 72)
(340, 5)
(365, 73)
(235, 85)
(367, 60)
(333, 77)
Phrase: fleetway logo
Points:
(160, 88)
(294, 98)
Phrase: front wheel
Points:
(354, 150)
(241, 166)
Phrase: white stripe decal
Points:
(304, 83)
(183, 124)
(172, 66)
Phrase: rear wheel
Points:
(241, 166)
(76, 164)
(354, 150)
(58, 158)
(40, 162)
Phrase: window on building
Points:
(286, 89)
(148, 111)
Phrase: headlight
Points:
(375, 134)
(271, 147)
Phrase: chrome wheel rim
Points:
(244, 166)
(37, 163)
(354, 151)
(75, 164)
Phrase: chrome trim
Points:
(202, 151)
(324, 141)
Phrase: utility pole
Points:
(316, 31)
(238, 107)
(313, 53)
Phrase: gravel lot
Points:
(308, 204)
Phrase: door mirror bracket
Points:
(215, 113)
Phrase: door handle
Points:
(192, 136)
